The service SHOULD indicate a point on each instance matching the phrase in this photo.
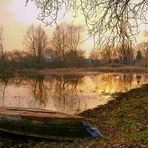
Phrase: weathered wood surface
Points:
(41, 123)
(36, 113)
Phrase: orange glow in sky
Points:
(16, 18)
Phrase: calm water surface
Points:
(67, 93)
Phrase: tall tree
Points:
(139, 56)
(59, 43)
(107, 54)
(143, 47)
(36, 41)
(1, 43)
(66, 44)
(125, 53)
(74, 37)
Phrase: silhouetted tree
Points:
(144, 46)
(59, 43)
(139, 56)
(36, 41)
(106, 54)
(65, 44)
(1, 43)
(125, 53)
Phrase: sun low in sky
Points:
(16, 18)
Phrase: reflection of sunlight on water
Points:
(71, 94)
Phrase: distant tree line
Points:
(63, 50)
(122, 54)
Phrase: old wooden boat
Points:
(44, 124)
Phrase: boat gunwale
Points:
(10, 111)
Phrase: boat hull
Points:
(42, 125)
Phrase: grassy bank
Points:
(122, 121)
(81, 71)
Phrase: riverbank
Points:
(73, 71)
(122, 121)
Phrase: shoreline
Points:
(74, 71)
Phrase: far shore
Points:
(74, 71)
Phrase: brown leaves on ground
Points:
(123, 121)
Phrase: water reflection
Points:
(66, 96)
(3, 84)
(138, 77)
(38, 90)
(66, 93)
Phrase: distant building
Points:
(93, 62)
(48, 58)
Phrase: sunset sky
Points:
(16, 18)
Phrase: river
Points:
(67, 93)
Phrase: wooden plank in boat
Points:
(41, 113)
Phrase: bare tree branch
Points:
(36, 41)
(108, 21)
(66, 43)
